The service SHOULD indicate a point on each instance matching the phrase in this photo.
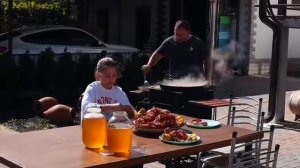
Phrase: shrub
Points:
(32, 12)
(132, 75)
(84, 73)
(46, 72)
(8, 84)
(27, 73)
(66, 79)
(8, 74)
(58, 76)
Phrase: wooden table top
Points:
(213, 102)
(63, 147)
(138, 92)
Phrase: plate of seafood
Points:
(155, 120)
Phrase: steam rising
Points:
(227, 61)
(186, 81)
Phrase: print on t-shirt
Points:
(106, 100)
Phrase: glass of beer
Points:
(94, 127)
(119, 133)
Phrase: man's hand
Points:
(146, 69)
(154, 58)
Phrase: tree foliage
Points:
(34, 12)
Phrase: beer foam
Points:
(93, 110)
(93, 115)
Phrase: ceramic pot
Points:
(294, 104)
(60, 114)
(43, 104)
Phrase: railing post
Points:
(282, 10)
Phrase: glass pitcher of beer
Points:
(119, 133)
(94, 127)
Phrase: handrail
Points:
(286, 17)
(279, 5)
(296, 9)
(288, 7)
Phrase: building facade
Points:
(261, 41)
(144, 24)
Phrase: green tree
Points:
(34, 12)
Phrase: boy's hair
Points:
(106, 62)
(183, 24)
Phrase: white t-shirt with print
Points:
(95, 94)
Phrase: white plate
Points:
(210, 124)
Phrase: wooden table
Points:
(213, 103)
(62, 147)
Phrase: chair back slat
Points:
(257, 159)
(245, 113)
(229, 109)
(261, 154)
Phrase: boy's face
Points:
(182, 35)
(108, 77)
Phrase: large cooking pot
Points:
(183, 86)
(176, 95)
(172, 88)
(184, 92)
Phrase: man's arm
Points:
(155, 57)
(153, 60)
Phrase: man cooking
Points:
(187, 54)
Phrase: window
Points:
(5, 36)
(61, 37)
(46, 37)
(80, 38)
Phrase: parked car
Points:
(60, 39)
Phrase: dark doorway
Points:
(195, 11)
(143, 25)
(103, 22)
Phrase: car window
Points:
(46, 37)
(4, 36)
(80, 38)
(61, 37)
